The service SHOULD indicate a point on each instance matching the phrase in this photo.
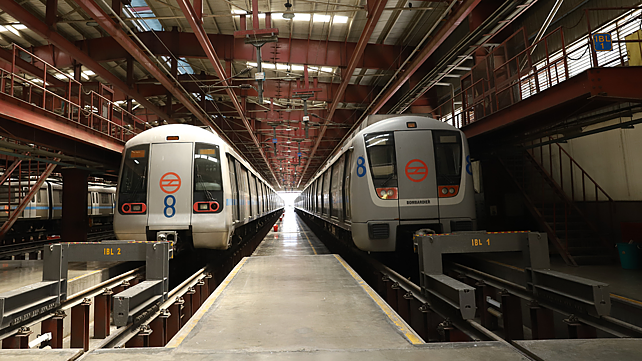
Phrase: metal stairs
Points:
(573, 235)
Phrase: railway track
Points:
(436, 322)
(157, 324)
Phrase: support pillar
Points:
(51, 15)
(75, 221)
(55, 326)
(18, 341)
(512, 315)
(542, 322)
(174, 320)
(80, 325)
(117, 6)
(576, 329)
(141, 339)
(102, 308)
(159, 338)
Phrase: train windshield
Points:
(381, 156)
(208, 184)
(448, 156)
(133, 179)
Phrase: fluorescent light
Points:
(61, 76)
(313, 68)
(268, 66)
(282, 66)
(301, 17)
(13, 30)
(327, 70)
(251, 64)
(321, 18)
(84, 75)
(3, 29)
(261, 16)
(297, 67)
(89, 72)
(239, 12)
(339, 19)
(20, 26)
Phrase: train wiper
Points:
(199, 179)
(392, 175)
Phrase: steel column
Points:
(174, 320)
(206, 44)
(75, 221)
(159, 336)
(542, 322)
(102, 308)
(374, 15)
(80, 325)
(18, 341)
(51, 13)
(55, 326)
(34, 24)
(512, 316)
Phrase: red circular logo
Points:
(416, 170)
(170, 182)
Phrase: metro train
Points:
(44, 211)
(395, 176)
(186, 184)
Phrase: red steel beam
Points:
(183, 44)
(375, 13)
(34, 24)
(115, 30)
(459, 15)
(197, 26)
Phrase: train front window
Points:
(134, 176)
(208, 182)
(381, 156)
(448, 156)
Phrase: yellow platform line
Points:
(410, 335)
(180, 336)
(306, 236)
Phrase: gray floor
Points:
(37, 354)
(294, 238)
(584, 350)
(293, 301)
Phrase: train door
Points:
(235, 191)
(417, 182)
(170, 187)
(30, 209)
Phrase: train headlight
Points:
(444, 190)
(203, 206)
(383, 193)
(448, 191)
(451, 190)
(126, 208)
(137, 208)
(386, 193)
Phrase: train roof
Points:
(186, 133)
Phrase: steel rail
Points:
(74, 300)
(603, 323)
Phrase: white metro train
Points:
(394, 177)
(187, 180)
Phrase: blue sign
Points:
(274, 140)
(602, 42)
(299, 154)
(361, 168)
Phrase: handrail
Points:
(553, 68)
(118, 124)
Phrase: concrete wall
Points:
(612, 158)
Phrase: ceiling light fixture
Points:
(288, 14)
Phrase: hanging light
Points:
(288, 14)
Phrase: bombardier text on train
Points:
(392, 178)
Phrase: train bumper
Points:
(370, 236)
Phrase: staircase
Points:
(573, 235)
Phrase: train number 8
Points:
(361, 168)
(169, 206)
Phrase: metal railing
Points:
(64, 97)
(574, 181)
(493, 84)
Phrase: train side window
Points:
(381, 156)
(235, 192)
(346, 186)
(104, 198)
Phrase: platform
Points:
(292, 300)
